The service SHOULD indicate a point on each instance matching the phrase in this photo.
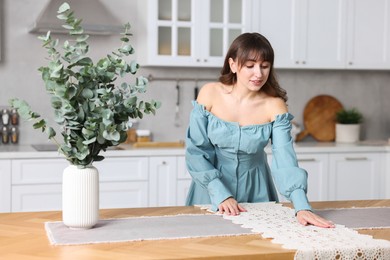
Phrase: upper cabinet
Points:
(327, 34)
(368, 45)
(331, 34)
(303, 33)
(192, 33)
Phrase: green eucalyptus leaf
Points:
(50, 132)
(68, 27)
(41, 123)
(133, 67)
(87, 93)
(90, 141)
(63, 8)
(56, 102)
(82, 38)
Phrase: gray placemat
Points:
(358, 218)
(145, 228)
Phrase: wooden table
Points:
(22, 236)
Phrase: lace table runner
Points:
(279, 223)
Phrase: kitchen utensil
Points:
(196, 90)
(177, 112)
(319, 118)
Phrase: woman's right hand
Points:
(230, 207)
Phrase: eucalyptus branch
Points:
(91, 107)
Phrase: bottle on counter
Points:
(143, 135)
(4, 135)
(132, 132)
(14, 117)
(5, 116)
(14, 135)
(131, 136)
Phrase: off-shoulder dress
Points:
(228, 160)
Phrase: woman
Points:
(231, 123)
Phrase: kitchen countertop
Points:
(10, 151)
(23, 236)
(27, 151)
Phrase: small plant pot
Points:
(347, 133)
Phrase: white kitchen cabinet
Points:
(169, 181)
(183, 181)
(316, 166)
(37, 183)
(303, 33)
(36, 197)
(368, 34)
(356, 176)
(188, 32)
(125, 194)
(123, 182)
(5, 186)
(333, 34)
(162, 181)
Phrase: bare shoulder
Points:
(208, 93)
(276, 106)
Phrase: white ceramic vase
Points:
(80, 197)
(347, 133)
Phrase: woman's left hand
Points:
(306, 217)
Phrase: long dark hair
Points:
(252, 46)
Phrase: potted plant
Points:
(92, 109)
(348, 124)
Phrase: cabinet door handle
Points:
(307, 160)
(164, 162)
(356, 158)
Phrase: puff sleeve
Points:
(200, 157)
(290, 180)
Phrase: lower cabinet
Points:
(356, 176)
(162, 181)
(183, 181)
(5, 186)
(125, 182)
(36, 184)
(169, 181)
(344, 176)
(154, 181)
(316, 166)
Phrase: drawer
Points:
(123, 169)
(38, 171)
(49, 171)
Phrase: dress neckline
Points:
(232, 122)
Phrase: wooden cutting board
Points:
(319, 118)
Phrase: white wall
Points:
(22, 55)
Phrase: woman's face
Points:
(253, 74)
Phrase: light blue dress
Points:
(227, 160)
